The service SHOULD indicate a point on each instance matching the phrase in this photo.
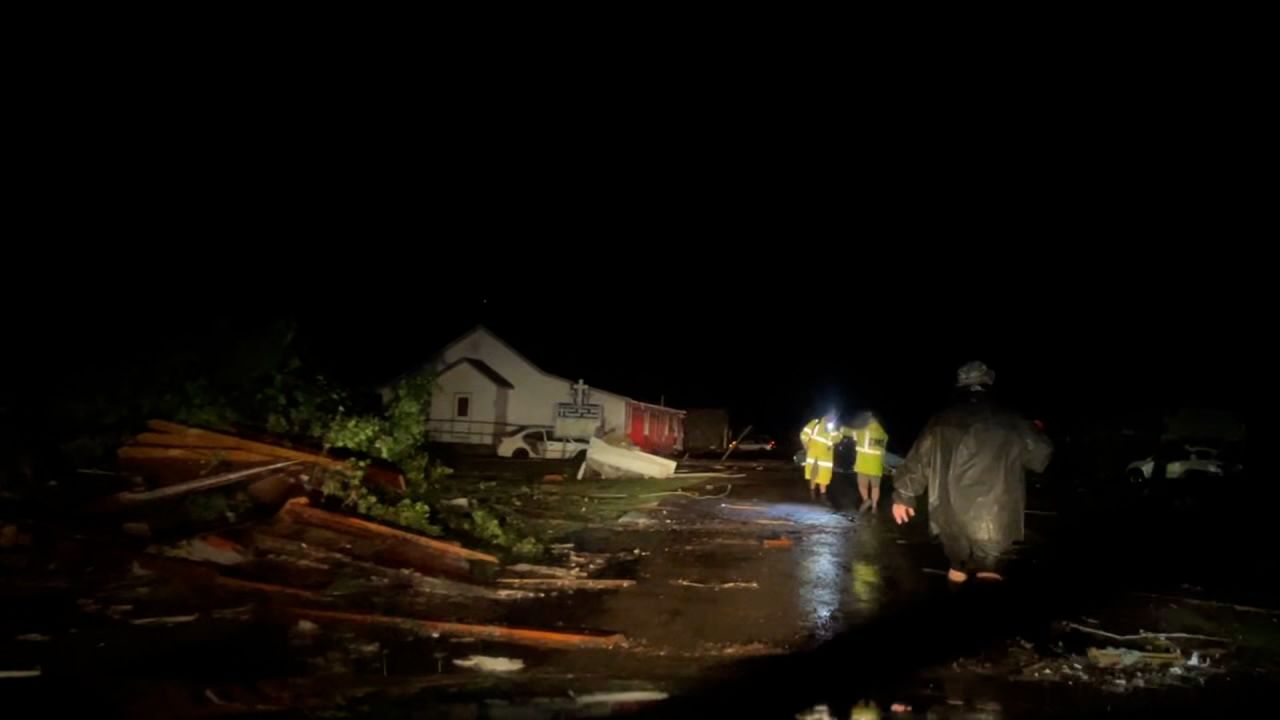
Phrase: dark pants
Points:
(968, 555)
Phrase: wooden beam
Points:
(138, 452)
(299, 510)
(250, 586)
(518, 636)
(189, 437)
(194, 486)
(565, 583)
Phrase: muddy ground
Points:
(749, 599)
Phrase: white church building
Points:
(485, 389)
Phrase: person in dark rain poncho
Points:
(971, 458)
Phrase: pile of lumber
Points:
(309, 558)
(168, 441)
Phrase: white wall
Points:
(615, 412)
(534, 398)
(487, 400)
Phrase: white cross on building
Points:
(580, 393)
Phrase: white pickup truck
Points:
(539, 442)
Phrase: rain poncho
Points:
(972, 458)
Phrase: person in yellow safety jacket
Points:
(870, 441)
(819, 438)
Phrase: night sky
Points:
(703, 263)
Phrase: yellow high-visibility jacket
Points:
(870, 441)
(819, 451)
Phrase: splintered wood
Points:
(172, 441)
(565, 584)
(298, 510)
(517, 636)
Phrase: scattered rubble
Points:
(210, 548)
(1122, 657)
(517, 636)
(566, 583)
(612, 462)
(299, 510)
(718, 586)
(614, 698)
(485, 663)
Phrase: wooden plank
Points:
(207, 438)
(289, 548)
(566, 583)
(518, 636)
(299, 510)
(250, 586)
(194, 486)
(387, 553)
(138, 452)
(170, 434)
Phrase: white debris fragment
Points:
(140, 571)
(616, 462)
(203, 550)
(33, 637)
(14, 674)
(306, 627)
(484, 663)
(632, 696)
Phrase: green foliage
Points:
(398, 435)
(488, 528)
(216, 506)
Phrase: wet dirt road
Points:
(762, 571)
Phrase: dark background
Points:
(704, 243)
(774, 352)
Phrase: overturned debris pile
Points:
(298, 561)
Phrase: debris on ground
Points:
(1122, 657)
(565, 583)
(15, 674)
(169, 441)
(517, 636)
(210, 548)
(485, 663)
(544, 571)
(300, 510)
(166, 620)
(617, 698)
(33, 637)
(718, 586)
(193, 486)
(613, 462)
